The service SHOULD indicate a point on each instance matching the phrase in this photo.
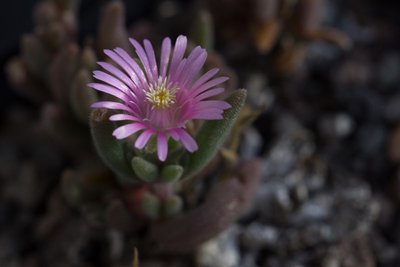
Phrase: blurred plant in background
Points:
(282, 28)
(53, 71)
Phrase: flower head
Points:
(159, 99)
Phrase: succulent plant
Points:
(160, 137)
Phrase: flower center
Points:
(161, 95)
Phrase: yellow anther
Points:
(160, 95)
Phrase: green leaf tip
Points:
(172, 206)
(213, 134)
(144, 169)
(151, 206)
(171, 173)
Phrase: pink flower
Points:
(159, 99)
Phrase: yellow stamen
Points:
(160, 95)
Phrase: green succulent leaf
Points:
(144, 169)
(109, 148)
(172, 206)
(213, 134)
(151, 205)
(171, 173)
(63, 128)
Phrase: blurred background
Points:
(323, 81)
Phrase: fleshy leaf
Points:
(171, 173)
(35, 55)
(109, 148)
(81, 96)
(172, 206)
(213, 134)
(63, 128)
(62, 71)
(150, 205)
(144, 169)
(111, 30)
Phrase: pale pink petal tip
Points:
(143, 139)
(162, 147)
(188, 142)
(127, 130)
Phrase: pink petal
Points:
(116, 72)
(193, 56)
(196, 52)
(174, 77)
(111, 105)
(188, 142)
(109, 90)
(208, 85)
(125, 66)
(205, 77)
(179, 50)
(209, 93)
(111, 80)
(165, 55)
(132, 63)
(162, 146)
(174, 135)
(195, 67)
(127, 130)
(123, 117)
(143, 138)
(152, 58)
(143, 58)
(210, 114)
(219, 104)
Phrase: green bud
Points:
(172, 206)
(150, 205)
(144, 169)
(171, 173)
